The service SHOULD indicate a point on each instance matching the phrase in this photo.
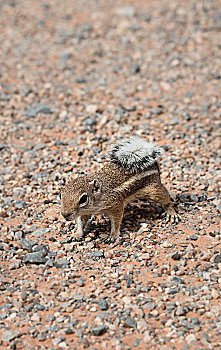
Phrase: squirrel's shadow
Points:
(135, 214)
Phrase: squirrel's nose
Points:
(66, 215)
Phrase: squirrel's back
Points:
(134, 154)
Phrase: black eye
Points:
(83, 199)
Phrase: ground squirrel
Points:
(131, 173)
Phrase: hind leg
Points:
(159, 194)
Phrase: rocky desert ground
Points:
(75, 77)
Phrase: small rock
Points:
(193, 237)
(167, 244)
(190, 338)
(216, 258)
(99, 330)
(135, 68)
(18, 235)
(176, 256)
(14, 265)
(24, 295)
(31, 112)
(176, 280)
(49, 318)
(97, 254)
(26, 243)
(174, 121)
(180, 311)
(205, 338)
(125, 11)
(193, 198)
(57, 340)
(145, 256)
(91, 109)
(62, 262)
(215, 294)
(136, 342)
(34, 258)
(41, 337)
(207, 256)
(130, 322)
(103, 305)
(7, 336)
(80, 283)
(143, 228)
(3, 213)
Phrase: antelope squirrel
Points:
(131, 173)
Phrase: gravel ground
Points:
(75, 77)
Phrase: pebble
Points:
(34, 258)
(130, 323)
(216, 258)
(176, 256)
(9, 335)
(26, 243)
(80, 283)
(193, 237)
(180, 311)
(97, 254)
(57, 340)
(30, 112)
(62, 262)
(103, 305)
(99, 330)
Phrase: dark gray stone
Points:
(216, 258)
(42, 248)
(103, 305)
(193, 198)
(176, 256)
(34, 258)
(31, 112)
(135, 68)
(80, 80)
(176, 280)
(130, 322)
(99, 330)
(26, 243)
(193, 237)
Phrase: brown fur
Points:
(108, 191)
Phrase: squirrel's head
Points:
(80, 197)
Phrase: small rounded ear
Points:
(96, 186)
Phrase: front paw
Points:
(111, 239)
(77, 235)
(173, 217)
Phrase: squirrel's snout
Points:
(67, 216)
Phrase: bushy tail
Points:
(134, 154)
